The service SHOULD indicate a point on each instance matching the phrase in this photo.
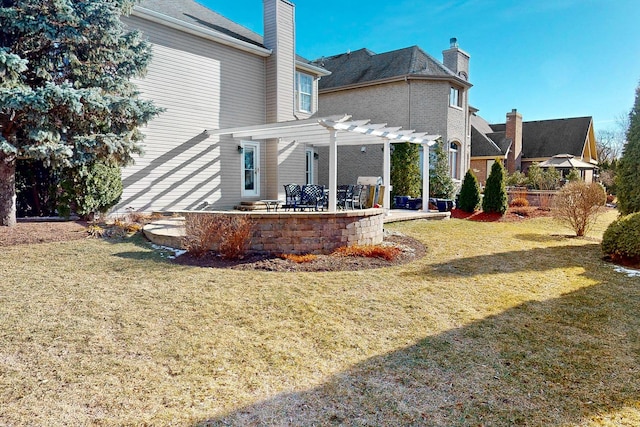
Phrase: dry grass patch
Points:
(370, 251)
(501, 324)
(299, 259)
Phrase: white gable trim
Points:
(195, 30)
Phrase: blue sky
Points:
(547, 58)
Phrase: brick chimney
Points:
(513, 131)
(456, 59)
(279, 36)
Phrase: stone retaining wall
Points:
(311, 232)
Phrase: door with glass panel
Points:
(250, 169)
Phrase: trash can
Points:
(400, 202)
(444, 205)
(414, 204)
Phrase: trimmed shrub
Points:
(495, 194)
(89, 190)
(469, 200)
(578, 204)
(516, 179)
(519, 202)
(621, 240)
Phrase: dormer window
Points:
(304, 92)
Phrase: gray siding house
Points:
(210, 73)
(405, 87)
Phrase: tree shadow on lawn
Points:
(543, 363)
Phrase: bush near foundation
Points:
(469, 200)
(495, 194)
(229, 235)
(621, 240)
(578, 204)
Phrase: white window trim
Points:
(299, 93)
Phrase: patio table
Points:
(271, 203)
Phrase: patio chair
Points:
(356, 200)
(344, 196)
(293, 195)
(312, 197)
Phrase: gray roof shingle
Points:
(362, 66)
(546, 138)
(484, 141)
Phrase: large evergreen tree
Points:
(66, 96)
(628, 168)
(440, 183)
(495, 194)
(405, 170)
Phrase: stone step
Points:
(250, 206)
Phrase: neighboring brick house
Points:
(405, 87)
(519, 144)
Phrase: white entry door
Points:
(250, 169)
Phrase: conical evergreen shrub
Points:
(495, 193)
(628, 170)
(469, 199)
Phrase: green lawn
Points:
(500, 324)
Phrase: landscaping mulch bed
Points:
(512, 214)
(30, 232)
(411, 249)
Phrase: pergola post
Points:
(425, 177)
(333, 170)
(386, 177)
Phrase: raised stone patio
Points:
(299, 232)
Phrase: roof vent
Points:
(453, 42)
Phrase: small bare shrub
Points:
(95, 231)
(235, 236)
(299, 259)
(370, 251)
(229, 235)
(545, 200)
(201, 233)
(519, 202)
(578, 204)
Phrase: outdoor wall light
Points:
(316, 155)
(363, 149)
(239, 148)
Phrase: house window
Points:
(304, 92)
(455, 100)
(454, 159)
